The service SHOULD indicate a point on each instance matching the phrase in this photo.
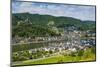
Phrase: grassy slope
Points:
(88, 56)
(60, 59)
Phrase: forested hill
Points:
(44, 19)
(46, 24)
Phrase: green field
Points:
(59, 59)
(87, 56)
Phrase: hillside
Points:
(26, 24)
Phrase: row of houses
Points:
(59, 47)
(36, 39)
(69, 33)
(88, 41)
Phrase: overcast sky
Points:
(75, 11)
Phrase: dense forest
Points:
(31, 25)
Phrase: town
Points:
(71, 41)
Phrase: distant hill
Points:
(43, 19)
(35, 23)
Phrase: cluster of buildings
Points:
(74, 42)
(88, 42)
(71, 35)
(22, 40)
(59, 47)
(71, 41)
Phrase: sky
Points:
(76, 11)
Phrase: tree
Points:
(50, 51)
(80, 53)
(73, 54)
(93, 50)
(50, 23)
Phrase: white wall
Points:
(5, 33)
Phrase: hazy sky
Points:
(75, 11)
